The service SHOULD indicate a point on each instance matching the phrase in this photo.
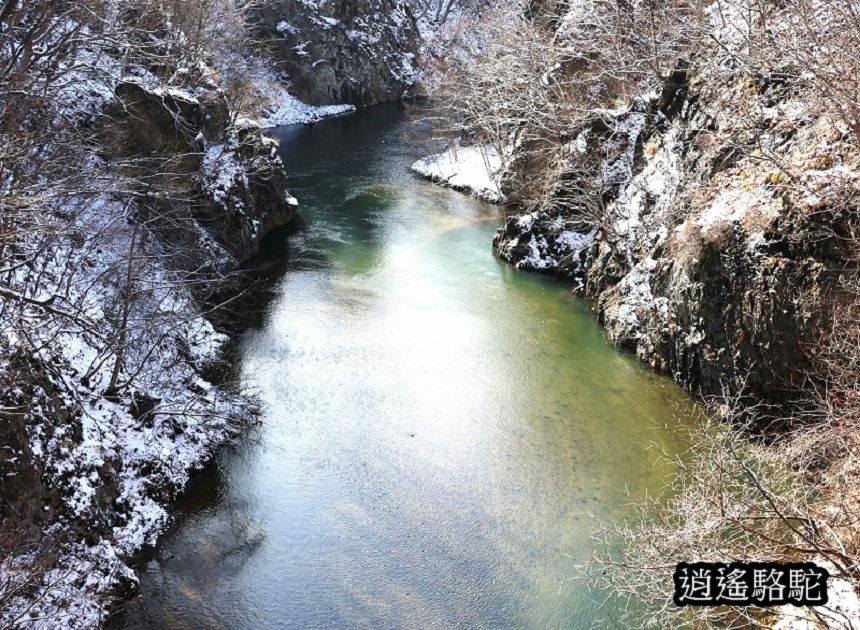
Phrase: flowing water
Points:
(441, 433)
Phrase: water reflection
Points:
(439, 431)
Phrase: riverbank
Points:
(136, 184)
(116, 254)
(701, 193)
(710, 191)
(438, 433)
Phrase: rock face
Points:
(360, 52)
(114, 400)
(707, 263)
(110, 376)
(223, 186)
(602, 160)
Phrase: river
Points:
(440, 432)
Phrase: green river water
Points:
(440, 432)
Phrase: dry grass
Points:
(794, 496)
(735, 500)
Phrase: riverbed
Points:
(440, 433)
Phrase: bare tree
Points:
(545, 75)
(736, 500)
(83, 250)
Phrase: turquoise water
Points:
(440, 433)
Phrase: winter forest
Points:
(428, 313)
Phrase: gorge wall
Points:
(360, 52)
(722, 223)
(227, 185)
(155, 184)
(152, 189)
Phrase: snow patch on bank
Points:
(280, 108)
(475, 169)
(842, 611)
(288, 110)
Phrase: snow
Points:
(222, 170)
(842, 611)
(574, 242)
(729, 206)
(567, 245)
(730, 21)
(636, 302)
(476, 169)
(754, 205)
(362, 37)
(581, 142)
(653, 191)
(149, 461)
(285, 109)
(286, 27)
(526, 222)
(537, 257)
(90, 86)
(627, 125)
(537, 243)
(77, 577)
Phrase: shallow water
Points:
(441, 433)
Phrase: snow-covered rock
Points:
(106, 466)
(360, 52)
(474, 169)
(537, 242)
(281, 108)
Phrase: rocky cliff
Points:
(360, 52)
(149, 191)
(211, 184)
(722, 222)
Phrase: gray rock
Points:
(360, 52)
(211, 188)
(724, 308)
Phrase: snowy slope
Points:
(474, 169)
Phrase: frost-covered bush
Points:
(105, 401)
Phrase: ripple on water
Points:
(440, 432)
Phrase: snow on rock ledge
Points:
(538, 242)
(102, 469)
(475, 169)
(285, 109)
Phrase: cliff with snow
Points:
(692, 168)
(709, 218)
(134, 183)
(360, 52)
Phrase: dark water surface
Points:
(440, 432)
